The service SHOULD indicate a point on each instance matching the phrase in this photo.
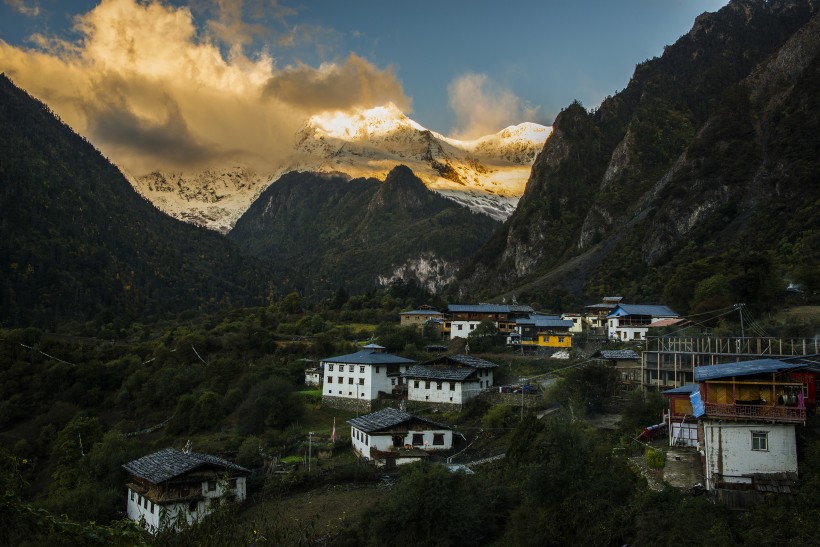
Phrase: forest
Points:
(78, 402)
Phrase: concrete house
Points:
(628, 364)
(172, 488)
(748, 414)
(449, 381)
(353, 381)
(391, 437)
(541, 331)
(462, 319)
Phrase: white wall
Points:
(165, 514)
(461, 329)
(369, 390)
(463, 392)
(729, 451)
(362, 442)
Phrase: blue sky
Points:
(457, 67)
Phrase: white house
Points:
(577, 322)
(355, 380)
(313, 376)
(631, 321)
(391, 437)
(449, 380)
(172, 488)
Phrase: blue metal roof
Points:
(685, 389)
(744, 368)
(489, 308)
(546, 321)
(421, 312)
(652, 310)
(368, 357)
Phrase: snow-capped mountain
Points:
(487, 175)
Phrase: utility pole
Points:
(739, 308)
(310, 448)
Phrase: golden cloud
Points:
(151, 91)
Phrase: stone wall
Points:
(512, 399)
(345, 403)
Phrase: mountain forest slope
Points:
(697, 185)
(78, 243)
(359, 233)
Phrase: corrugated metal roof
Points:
(489, 308)
(744, 368)
(545, 321)
(387, 418)
(421, 312)
(425, 372)
(170, 462)
(617, 354)
(666, 322)
(685, 389)
(652, 310)
(368, 357)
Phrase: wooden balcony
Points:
(766, 413)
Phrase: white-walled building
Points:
(462, 319)
(631, 321)
(171, 488)
(449, 380)
(356, 379)
(391, 437)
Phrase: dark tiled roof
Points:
(744, 368)
(170, 462)
(385, 419)
(439, 372)
(464, 360)
(617, 354)
(368, 357)
(489, 308)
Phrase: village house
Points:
(419, 318)
(355, 380)
(748, 412)
(313, 376)
(595, 314)
(391, 437)
(682, 425)
(449, 381)
(629, 322)
(173, 488)
(577, 322)
(627, 363)
(541, 331)
(462, 319)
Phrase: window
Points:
(415, 384)
(340, 380)
(350, 368)
(418, 439)
(361, 381)
(377, 370)
(452, 386)
(427, 384)
(438, 386)
(560, 339)
(458, 327)
(361, 369)
(211, 486)
(392, 381)
(350, 380)
(330, 379)
(152, 507)
(232, 484)
(760, 440)
(192, 506)
(438, 439)
(132, 494)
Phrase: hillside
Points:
(696, 185)
(357, 233)
(78, 243)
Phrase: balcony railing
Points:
(757, 412)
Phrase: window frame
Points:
(760, 441)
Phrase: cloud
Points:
(356, 83)
(482, 107)
(22, 7)
(155, 90)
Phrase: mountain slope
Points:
(486, 175)
(697, 184)
(338, 232)
(79, 243)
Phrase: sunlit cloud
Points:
(31, 9)
(482, 107)
(154, 89)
